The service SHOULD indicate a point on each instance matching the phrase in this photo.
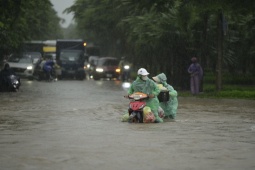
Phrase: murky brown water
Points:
(76, 125)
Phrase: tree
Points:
(163, 35)
(26, 20)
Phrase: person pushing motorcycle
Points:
(145, 85)
(48, 68)
(169, 107)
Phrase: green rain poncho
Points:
(170, 107)
(148, 87)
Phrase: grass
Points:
(224, 93)
(234, 87)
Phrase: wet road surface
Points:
(76, 125)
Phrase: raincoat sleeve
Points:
(156, 89)
(172, 92)
(190, 69)
(131, 89)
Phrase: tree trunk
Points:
(220, 52)
(204, 48)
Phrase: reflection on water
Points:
(113, 85)
(126, 86)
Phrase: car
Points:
(22, 65)
(107, 67)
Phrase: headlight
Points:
(29, 67)
(137, 97)
(117, 70)
(99, 70)
(126, 67)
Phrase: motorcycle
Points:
(125, 73)
(12, 83)
(41, 74)
(136, 106)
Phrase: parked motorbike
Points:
(12, 84)
(136, 106)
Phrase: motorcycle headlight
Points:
(29, 67)
(99, 70)
(126, 67)
(137, 97)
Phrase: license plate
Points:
(109, 75)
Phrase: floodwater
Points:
(76, 125)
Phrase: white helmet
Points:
(143, 72)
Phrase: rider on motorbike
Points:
(145, 85)
(7, 71)
(4, 75)
(125, 69)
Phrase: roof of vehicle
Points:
(69, 40)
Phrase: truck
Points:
(70, 56)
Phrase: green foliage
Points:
(240, 94)
(26, 20)
(163, 35)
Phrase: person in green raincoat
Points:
(145, 85)
(169, 107)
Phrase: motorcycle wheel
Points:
(136, 117)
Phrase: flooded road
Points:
(76, 125)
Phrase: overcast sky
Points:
(60, 6)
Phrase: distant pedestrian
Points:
(196, 75)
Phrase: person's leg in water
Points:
(157, 118)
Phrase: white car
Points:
(23, 66)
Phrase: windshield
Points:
(20, 60)
(70, 55)
(25, 60)
(108, 62)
